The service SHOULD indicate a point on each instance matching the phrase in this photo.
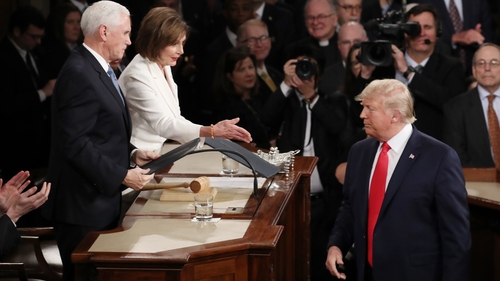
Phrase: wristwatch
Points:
(408, 71)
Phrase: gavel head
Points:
(200, 184)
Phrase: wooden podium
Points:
(483, 190)
(275, 246)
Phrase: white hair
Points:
(102, 13)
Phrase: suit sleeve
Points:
(10, 238)
(453, 218)
(331, 113)
(138, 86)
(453, 133)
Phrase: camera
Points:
(305, 68)
(390, 30)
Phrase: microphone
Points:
(255, 186)
(427, 42)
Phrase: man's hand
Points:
(468, 37)
(9, 193)
(28, 201)
(141, 157)
(229, 130)
(334, 258)
(136, 178)
(399, 59)
(49, 88)
(289, 70)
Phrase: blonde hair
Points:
(396, 96)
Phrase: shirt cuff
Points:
(132, 161)
(41, 95)
(285, 89)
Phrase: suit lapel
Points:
(166, 87)
(408, 157)
(106, 80)
(366, 166)
(430, 67)
(478, 126)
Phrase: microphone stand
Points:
(255, 187)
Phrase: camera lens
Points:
(305, 69)
(377, 54)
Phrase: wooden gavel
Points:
(198, 185)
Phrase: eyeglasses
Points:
(350, 8)
(321, 18)
(252, 40)
(482, 64)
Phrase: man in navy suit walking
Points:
(405, 202)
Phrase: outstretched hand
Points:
(9, 193)
(228, 129)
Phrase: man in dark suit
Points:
(431, 76)
(350, 33)
(91, 151)
(405, 203)
(466, 116)
(477, 25)
(254, 34)
(312, 122)
(280, 24)
(25, 90)
(15, 203)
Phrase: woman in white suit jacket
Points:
(151, 92)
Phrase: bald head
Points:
(350, 33)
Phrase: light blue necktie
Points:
(112, 75)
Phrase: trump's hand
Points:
(334, 258)
(28, 201)
(136, 178)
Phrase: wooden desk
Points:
(274, 247)
(483, 191)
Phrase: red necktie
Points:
(494, 131)
(377, 192)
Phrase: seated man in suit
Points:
(350, 33)
(311, 121)
(433, 78)
(405, 203)
(253, 33)
(15, 203)
(471, 119)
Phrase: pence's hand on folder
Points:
(136, 178)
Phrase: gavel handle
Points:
(153, 186)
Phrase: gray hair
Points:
(482, 46)
(102, 13)
(330, 3)
(396, 97)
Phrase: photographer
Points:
(433, 78)
(311, 121)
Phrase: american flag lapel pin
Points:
(412, 156)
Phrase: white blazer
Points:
(154, 106)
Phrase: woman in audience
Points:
(151, 92)
(63, 34)
(237, 90)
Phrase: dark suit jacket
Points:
(474, 12)
(422, 232)
(329, 118)
(9, 236)
(264, 91)
(22, 115)
(333, 78)
(331, 52)
(466, 131)
(90, 145)
(280, 25)
(441, 80)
